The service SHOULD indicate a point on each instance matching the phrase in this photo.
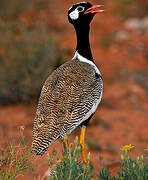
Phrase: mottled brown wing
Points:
(66, 100)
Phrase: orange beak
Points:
(93, 9)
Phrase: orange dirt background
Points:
(122, 117)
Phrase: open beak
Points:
(94, 9)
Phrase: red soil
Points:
(123, 113)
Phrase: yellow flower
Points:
(126, 147)
(64, 157)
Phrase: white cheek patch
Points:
(74, 14)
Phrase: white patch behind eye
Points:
(74, 14)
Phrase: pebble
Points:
(122, 35)
(137, 24)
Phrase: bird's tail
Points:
(43, 139)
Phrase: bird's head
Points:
(82, 13)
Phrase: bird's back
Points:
(69, 96)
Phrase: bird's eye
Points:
(80, 8)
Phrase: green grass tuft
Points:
(70, 165)
(15, 160)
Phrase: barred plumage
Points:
(66, 97)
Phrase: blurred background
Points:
(35, 38)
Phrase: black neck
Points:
(83, 46)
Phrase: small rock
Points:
(122, 35)
(145, 22)
(132, 23)
(138, 25)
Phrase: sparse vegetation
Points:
(27, 56)
(70, 166)
(28, 50)
(15, 161)
(136, 169)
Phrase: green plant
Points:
(15, 160)
(131, 169)
(70, 165)
(27, 56)
(134, 169)
(103, 174)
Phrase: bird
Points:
(72, 93)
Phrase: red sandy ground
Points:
(123, 114)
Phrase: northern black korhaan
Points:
(72, 93)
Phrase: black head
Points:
(82, 13)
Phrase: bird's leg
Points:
(82, 136)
